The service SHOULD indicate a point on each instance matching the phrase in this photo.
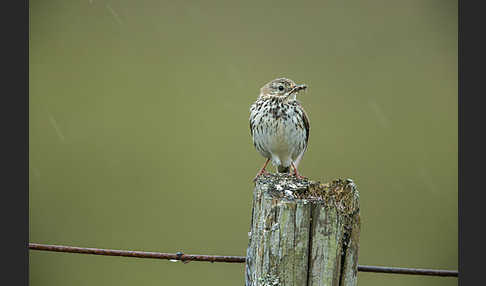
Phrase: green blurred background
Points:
(139, 134)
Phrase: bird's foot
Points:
(262, 172)
(298, 176)
(296, 173)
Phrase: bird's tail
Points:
(282, 169)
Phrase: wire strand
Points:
(179, 256)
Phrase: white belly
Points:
(281, 141)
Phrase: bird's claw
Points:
(259, 174)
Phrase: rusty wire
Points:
(138, 254)
(179, 256)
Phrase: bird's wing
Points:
(253, 114)
(305, 118)
(251, 121)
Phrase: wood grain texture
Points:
(303, 232)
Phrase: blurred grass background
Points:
(139, 134)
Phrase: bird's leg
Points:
(262, 170)
(296, 173)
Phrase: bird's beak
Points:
(298, 88)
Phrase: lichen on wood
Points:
(303, 232)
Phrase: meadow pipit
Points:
(279, 125)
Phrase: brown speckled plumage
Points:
(279, 125)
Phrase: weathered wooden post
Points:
(303, 232)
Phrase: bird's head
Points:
(282, 87)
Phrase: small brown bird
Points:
(279, 125)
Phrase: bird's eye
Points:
(280, 87)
